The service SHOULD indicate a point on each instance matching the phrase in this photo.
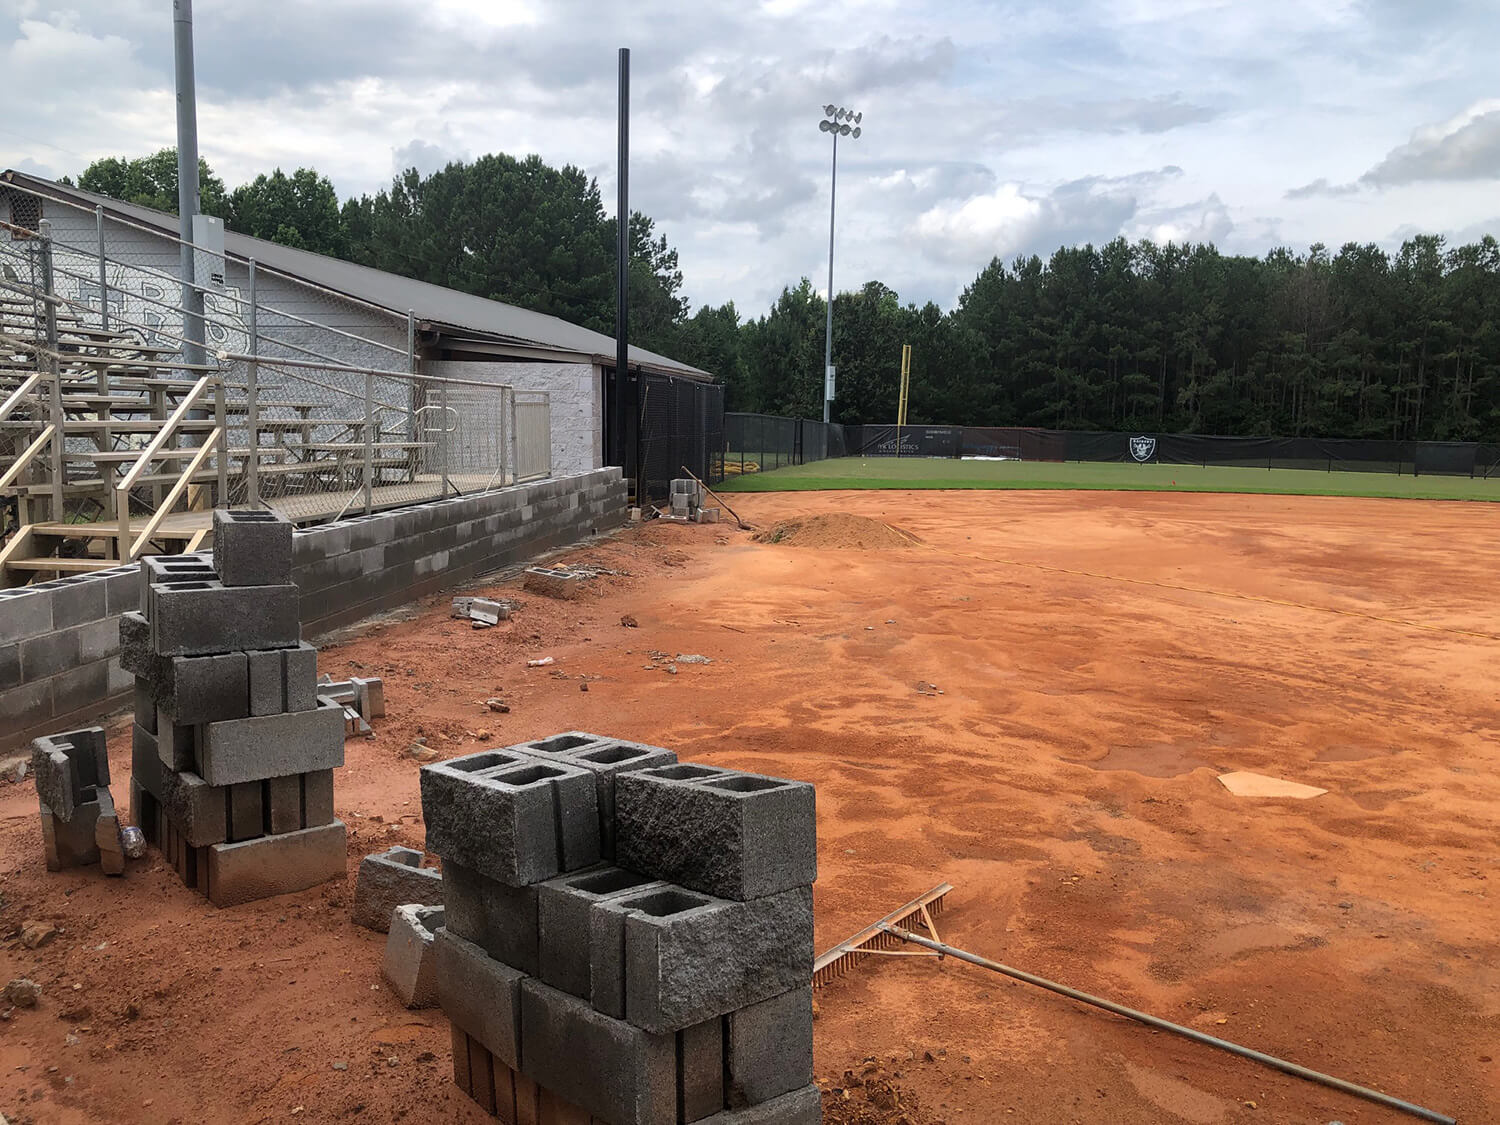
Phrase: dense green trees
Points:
(1358, 343)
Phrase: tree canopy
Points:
(1358, 343)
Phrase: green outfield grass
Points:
(909, 472)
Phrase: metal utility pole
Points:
(187, 177)
(840, 122)
(625, 399)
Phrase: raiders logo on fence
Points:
(1143, 448)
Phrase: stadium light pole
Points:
(840, 122)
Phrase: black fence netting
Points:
(758, 442)
(682, 424)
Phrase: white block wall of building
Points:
(576, 392)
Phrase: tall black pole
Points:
(187, 177)
(625, 398)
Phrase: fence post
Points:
(252, 404)
(369, 442)
(54, 370)
(221, 458)
(103, 279)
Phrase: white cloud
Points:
(990, 127)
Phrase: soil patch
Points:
(838, 531)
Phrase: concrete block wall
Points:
(576, 399)
(59, 641)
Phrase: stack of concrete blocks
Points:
(233, 752)
(687, 499)
(627, 938)
(79, 822)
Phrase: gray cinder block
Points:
(300, 668)
(252, 548)
(202, 689)
(768, 1048)
(563, 584)
(317, 798)
(274, 865)
(730, 834)
(283, 803)
(563, 923)
(176, 743)
(500, 919)
(480, 996)
(390, 879)
(145, 765)
(205, 617)
(247, 811)
(605, 758)
(510, 817)
(199, 810)
(630, 1076)
(410, 959)
(688, 957)
(272, 745)
(136, 656)
(800, 1107)
(67, 767)
(70, 842)
(168, 570)
(267, 692)
(700, 1069)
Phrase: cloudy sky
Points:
(990, 128)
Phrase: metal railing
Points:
(310, 418)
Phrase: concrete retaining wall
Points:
(59, 641)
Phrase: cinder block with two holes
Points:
(563, 909)
(252, 548)
(511, 817)
(605, 758)
(721, 832)
(665, 958)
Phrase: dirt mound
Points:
(838, 530)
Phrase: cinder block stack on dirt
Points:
(233, 752)
(627, 939)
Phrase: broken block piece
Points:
(71, 842)
(511, 817)
(734, 835)
(252, 548)
(67, 767)
(410, 959)
(274, 865)
(107, 834)
(390, 879)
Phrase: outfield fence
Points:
(758, 442)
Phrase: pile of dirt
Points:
(870, 1097)
(840, 531)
